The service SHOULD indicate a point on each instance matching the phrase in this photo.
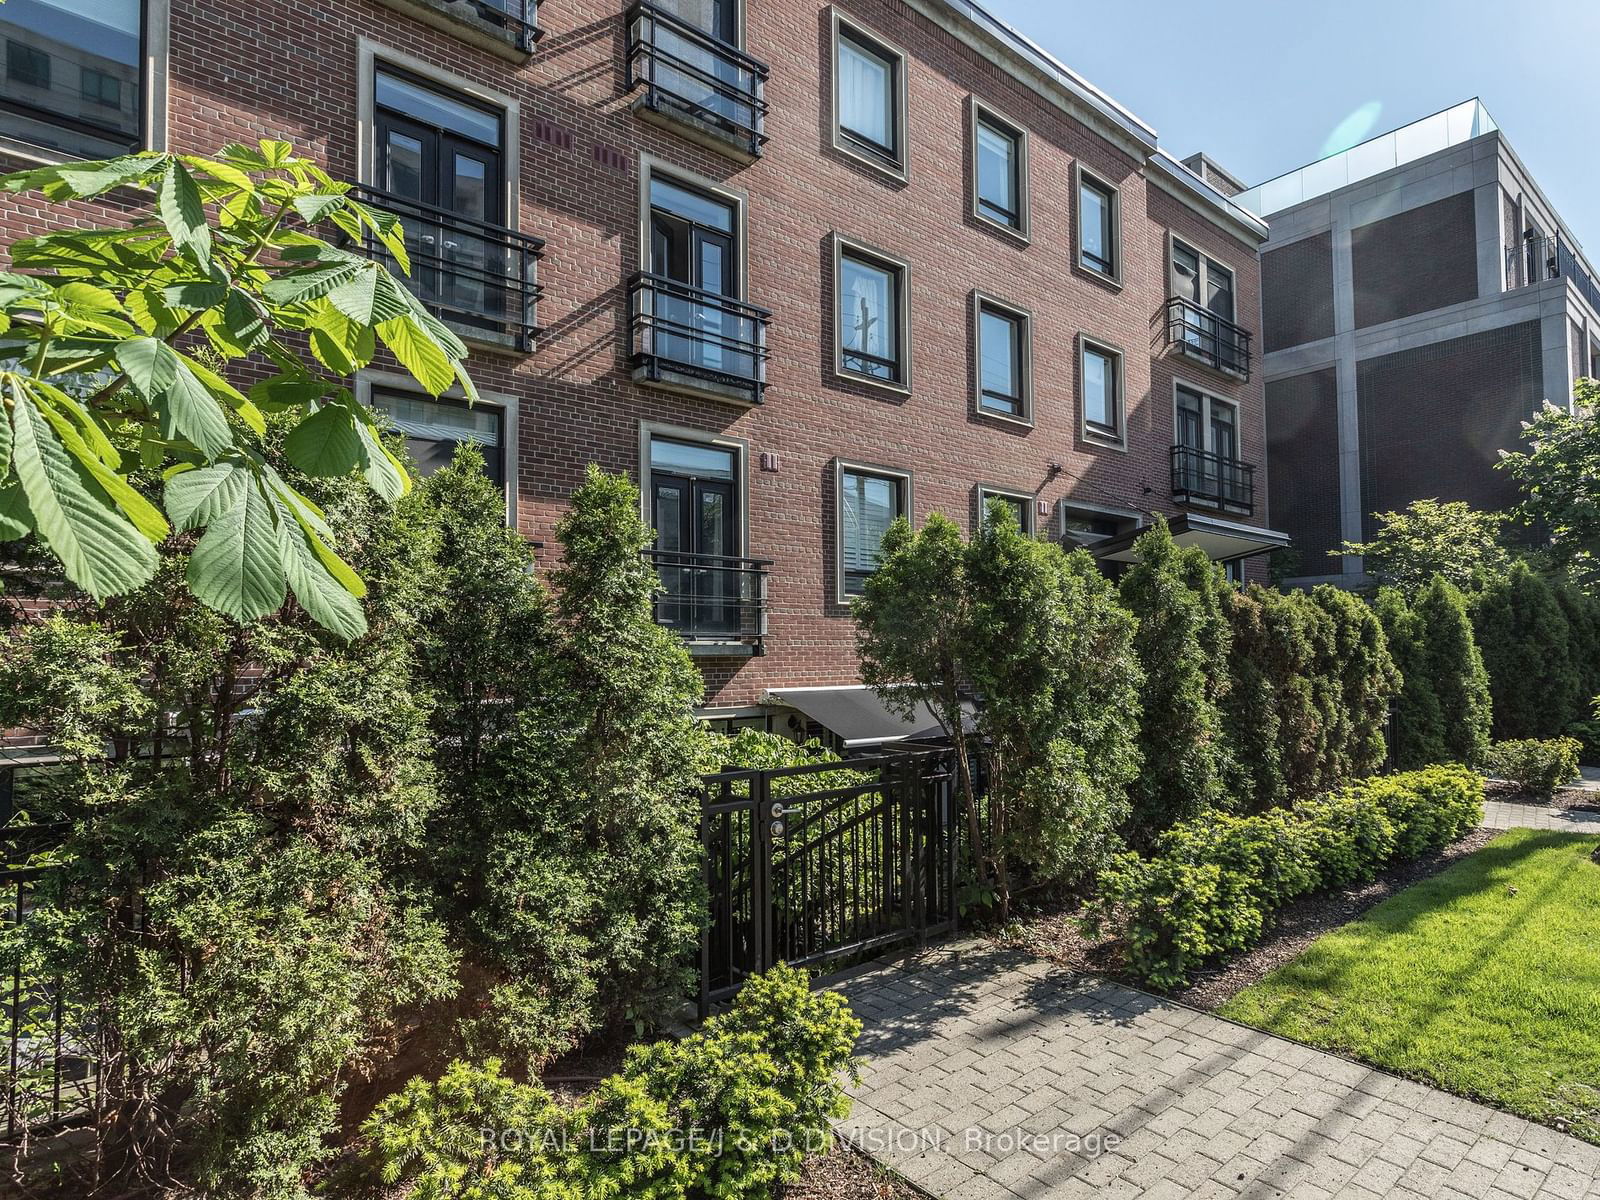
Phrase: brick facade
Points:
(292, 70)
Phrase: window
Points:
(438, 166)
(868, 98)
(872, 330)
(696, 320)
(695, 496)
(1003, 359)
(433, 429)
(1202, 281)
(1100, 374)
(1087, 526)
(870, 498)
(70, 67)
(1201, 312)
(999, 171)
(1098, 242)
(1020, 504)
(1207, 423)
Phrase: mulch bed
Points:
(844, 1173)
(1053, 932)
(1575, 799)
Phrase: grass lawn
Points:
(1483, 980)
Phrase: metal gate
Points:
(809, 865)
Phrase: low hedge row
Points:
(729, 1112)
(1214, 881)
(1535, 766)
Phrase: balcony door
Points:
(439, 157)
(1209, 427)
(695, 511)
(1207, 287)
(694, 251)
(698, 72)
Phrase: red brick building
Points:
(800, 267)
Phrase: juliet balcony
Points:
(696, 83)
(1198, 333)
(1209, 480)
(716, 603)
(687, 339)
(478, 278)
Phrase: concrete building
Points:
(1420, 299)
(796, 267)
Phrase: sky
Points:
(1264, 86)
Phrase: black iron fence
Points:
(1202, 334)
(688, 72)
(1201, 477)
(480, 277)
(713, 597)
(692, 332)
(1551, 257)
(817, 864)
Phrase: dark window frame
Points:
(1015, 222)
(1108, 269)
(1022, 342)
(898, 376)
(903, 490)
(144, 88)
(893, 158)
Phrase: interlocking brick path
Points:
(1504, 814)
(990, 1074)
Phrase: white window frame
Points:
(366, 379)
(898, 167)
(1024, 319)
(1087, 431)
(985, 492)
(650, 430)
(153, 74)
(1080, 175)
(840, 467)
(979, 113)
(849, 247)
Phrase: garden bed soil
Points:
(1053, 931)
(844, 1173)
(1575, 799)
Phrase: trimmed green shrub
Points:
(1214, 882)
(1182, 642)
(728, 1112)
(1360, 678)
(1525, 641)
(1442, 713)
(1536, 766)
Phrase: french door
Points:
(697, 537)
(693, 244)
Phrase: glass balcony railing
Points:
(691, 74)
(712, 598)
(1202, 334)
(479, 278)
(689, 332)
(1212, 480)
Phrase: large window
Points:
(871, 322)
(999, 171)
(1097, 226)
(1003, 359)
(73, 72)
(1207, 424)
(1100, 372)
(869, 98)
(695, 496)
(433, 430)
(1202, 281)
(869, 501)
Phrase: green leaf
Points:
(5, 443)
(336, 566)
(197, 497)
(150, 366)
(308, 284)
(220, 171)
(282, 392)
(146, 518)
(228, 394)
(370, 298)
(98, 547)
(419, 353)
(244, 320)
(324, 598)
(94, 178)
(384, 473)
(183, 212)
(340, 344)
(326, 444)
(237, 567)
(188, 409)
(275, 153)
(317, 205)
(194, 294)
(16, 521)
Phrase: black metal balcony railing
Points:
(712, 597)
(690, 331)
(472, 274)
(1201, 477)
(688, 71)
(1199, 332)
(1543, 258)
(520, 18)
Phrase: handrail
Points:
(525, 26)
(389, 201)
(1549, 257)
(728, 607)
(675, 327)
(1199, 331)
(739, 109)
(1213, 478)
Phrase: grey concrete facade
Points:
(1504, 198)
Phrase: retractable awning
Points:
(1223, 541)
(855, 715)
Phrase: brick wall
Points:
(1421, 259)
(1297, 293)
(242, 69)
(1303, 466)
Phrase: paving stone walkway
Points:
(1505, 814)
(995, 1076)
